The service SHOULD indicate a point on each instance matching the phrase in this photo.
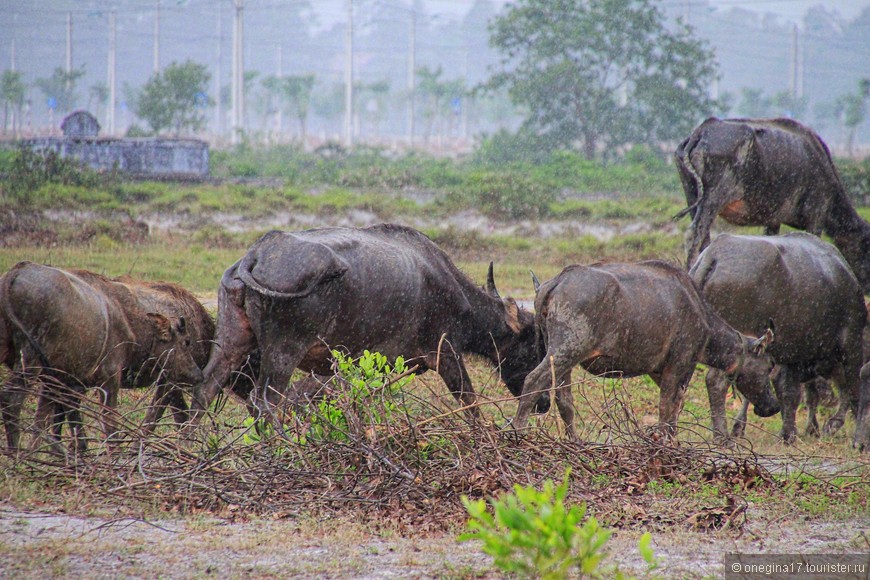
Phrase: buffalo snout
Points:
(768, 407)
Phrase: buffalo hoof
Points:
(812, 429)
(788, 437)
(832, 425)
(738, 429)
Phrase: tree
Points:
(60, 87)
(851, 108)
(297, 99)
(372, 102)
(175, 98)
(437, 96)
(12, 91)
(602, 72)
(98, 96)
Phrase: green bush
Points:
(30, 169)
(507, 194)
(856, 179)
(535, 535)
(362, 396)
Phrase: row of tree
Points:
(588, 74)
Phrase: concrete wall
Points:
(184, 158)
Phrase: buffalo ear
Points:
(512, 314)
(760, 345)
(162, 326)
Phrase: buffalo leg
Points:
(12, 398)
(539, 381)
(717, 389)
(862, 416)
(812, 391)
(450, 366)
(699, 230)
(849, 399)
(739, 427)
(787, 384)
(672, 383)
(109, 401)
(166, 395)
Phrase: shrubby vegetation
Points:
(508, 177)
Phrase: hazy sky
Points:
(789, 9)
(792, 9)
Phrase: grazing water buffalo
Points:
(384, 288)
(816, 392)
(805, 285)
(636, 319)
(768, 172)
(78, 329)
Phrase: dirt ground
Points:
(37, 545)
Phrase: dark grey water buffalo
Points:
(385, 288)
(76, 329)
(768, 172)
(805, 285)
(644, 318)
(815, 393)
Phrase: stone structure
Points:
(140, 157)
(80, 124)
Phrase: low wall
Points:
(185, 158)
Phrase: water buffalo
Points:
(768, 172)
(805, 285)
(643, 318)
(385, 288)
(815, 393)
(76, 329)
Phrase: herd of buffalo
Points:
(766, 314)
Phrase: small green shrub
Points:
(856, 179)
(32, 169)
(363, 396)
(507, 194)
(534, 534)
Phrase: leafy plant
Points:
(364, 398)
(31, 169)
(534, 534)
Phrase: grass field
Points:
(395, 489)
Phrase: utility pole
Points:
(412, 67)
(110, 114)
(69, 54)
(238, 74)
(157, 38)
(280, 73)
(348, 77)
(219, 108)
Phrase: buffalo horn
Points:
(490, 283)
(535, 281)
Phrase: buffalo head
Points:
(752, 376)
(519, 354)
(172, 350)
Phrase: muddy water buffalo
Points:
(816, 392)
(78, 329)
(805, 285)
(768, 172)
(384, 288)
(643, 318)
